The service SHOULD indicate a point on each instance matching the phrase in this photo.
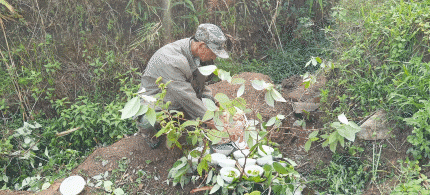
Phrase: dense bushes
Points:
(35, 149)
(382, 52)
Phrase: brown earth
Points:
(133, 152)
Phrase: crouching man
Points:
(178, 62)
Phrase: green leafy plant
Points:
(420, 135)
(254, 137)
(344, 129)
(411, 180)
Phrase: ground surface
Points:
(125, 158)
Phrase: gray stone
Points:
(309, 107)
(376, 127)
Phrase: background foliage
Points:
(65, 62)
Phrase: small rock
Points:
(376, 127)
(309, 107)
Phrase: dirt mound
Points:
(122, 161)
(254, 98)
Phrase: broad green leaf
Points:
(208, 115)
(241, 90)
(262, 133)
(239, 103)
(258, 84)
(218, 123)
(207, 70)
(347, 132)
(225, 76)
(118, 191)
(237, 81)
(214, 189)
(255, 193)
(308, 63)
(108, 186)
(253, 134)
(260, 147)
(215, 136)
(232, 110)
(277, 96)
(194, 139)
(142, 110)
(279, 168)
(220, 181)
(314, 61)
(271, 121)
(190, 123)
(214, 178)
(45, 186)
(336, 125)
(259, 116)
(318, 59)
(209, 104)
(222, 98)
(267, 167)
(341, 140)
(195, 154)
(308, 145)
(209, 178)
(151, 116)
(333, 147)
(313, 134)
(131, 108)
(306, 84)
(29, 125)
(250, 143)
(332, 137)
(355, 126)
(269, 99)
(19, 131)
(202, 165)
(325, 143)
(292, 163)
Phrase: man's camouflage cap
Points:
(213, 37)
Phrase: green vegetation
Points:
(66, 65)
(344, 175)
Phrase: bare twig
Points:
(201, 189)
(67, 132)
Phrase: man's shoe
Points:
(153, 143)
